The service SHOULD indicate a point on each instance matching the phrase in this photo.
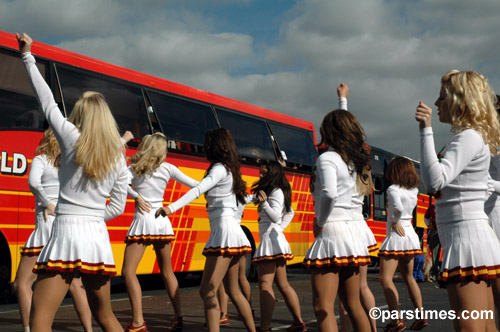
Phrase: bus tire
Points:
(250, 269)
(6, 294)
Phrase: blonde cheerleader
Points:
(150, 176)
(470, 246)
(92, 169)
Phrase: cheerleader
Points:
(363, 188)
(337, 252)
(92, 169)
(401, 243)
(470, 246)
(224, 189)
(150, 175)
(44, 184)
(274, 196)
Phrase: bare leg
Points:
(350, 296)
(215, 268)
(223, 300)
(81, 304)
(242, 277)
(496, 294)
(233, 289)
(165, 263)
(406, 270)
(325, 283)
(367, 298)
(266, 271)
(99, 297)
(490, 321)
(388, 267)
(22, 286)
(50, 289)
(468, 296)
(131, 259)
(291, 298)
(345, 321)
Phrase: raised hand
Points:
(24, 42)
(127, 136)
(343, 90)
(262, 197)
(424, 115)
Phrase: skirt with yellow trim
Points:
(399, 246)
(366, 234)
(226, 238)
(145, 228)
(338, 244)
(470, 251)
(273, 245)
(39, 236)
(77, 243)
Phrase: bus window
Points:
(250, 134)
(126, 102)
(296, 144)
(183, 121)
(18, 105)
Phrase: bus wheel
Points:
(250, 269)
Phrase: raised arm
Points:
(343, 93)
(273, 206)
(178, 176)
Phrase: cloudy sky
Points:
(286, 55)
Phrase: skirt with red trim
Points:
(226, 238)
(146, 229)
(366, 235)
(338, 244)
(273, 245)
(39, 236)
(77, 243)
(395, 245)
(470, 251)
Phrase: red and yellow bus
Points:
(144, 104)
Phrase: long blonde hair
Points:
(99, 146)
(472, 105)
(50, 148)
(152, 152)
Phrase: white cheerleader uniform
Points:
(400, 205)
(226, 236)
(43, 181)
(79, 239)
(470, 246)
(273, 244)
(338, 243)
(365, 232)
(145, 228)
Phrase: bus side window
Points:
(252, 137)
(379, 199)
(297, 144)
(18, 104)
(125, 101)
(184, 122)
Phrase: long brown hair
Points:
(274, 179)
(341, 131)
(401, 171)
(50, 148)
(219, 147)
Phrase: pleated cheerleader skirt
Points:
(338, 244)
(146, 229)
(39, 236)
(470, 251)
(366, 234)
(401, 246)
(273, 245)
(77, 243)
(226, 238)
(494, 220)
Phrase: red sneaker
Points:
(176, 324)
(224, 320)
(419, 324)
(132, 328)
(396, 326)
(297, 327)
